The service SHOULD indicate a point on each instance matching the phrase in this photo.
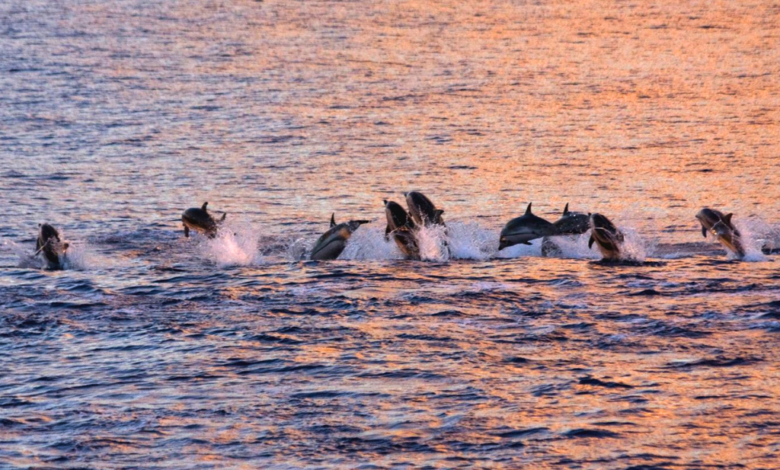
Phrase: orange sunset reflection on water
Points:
(157, 351)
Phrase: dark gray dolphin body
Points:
(572, 223)
(199, 220)
(50, 246)
(422, 210)
(608, 238)
(332, 243)
(722, 228)
(525, 228)
(400, 227)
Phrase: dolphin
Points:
(606, 235)
(401, 228)
(397, 217)
(422, 210)
(332, 243)
(721, 227)
(50, 245)
(199, 220)
(572, 223)
(525, 228)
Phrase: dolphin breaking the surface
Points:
(722, 228)
(199, 220)
(330, 245)
(525, 228)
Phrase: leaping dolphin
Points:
(572, 223)
(400, 227)
(199, 220)
(50, 246)
(525, 228)
(608, 238)
(422, 210)
(721, 227)
(332, 243)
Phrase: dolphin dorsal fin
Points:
(384, 201)
(566, 209)
(333, 220)
(204, 206)
(727, 218)
(528, 209)
(438, 212)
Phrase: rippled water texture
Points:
(155, 351)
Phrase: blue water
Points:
(151, 350)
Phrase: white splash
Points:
(634, 247)
(574, 247)
(368, 243)
(82, 257)
(433, 242)
(468, 240)
(236, 244)
(78, 256)
(750, 231)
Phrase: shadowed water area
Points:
(151, 350)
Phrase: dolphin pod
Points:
(403, 227)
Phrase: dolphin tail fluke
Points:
(333, 219)
(566, 209)
(205, 204)
(528, 209)
(590, 242)
(186, 232)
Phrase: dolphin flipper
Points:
(527, 243)
(703, 231)
(590, 242)
(224, 214)
(186, 232)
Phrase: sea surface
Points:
(155, 351)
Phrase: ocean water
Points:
(153, 351)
